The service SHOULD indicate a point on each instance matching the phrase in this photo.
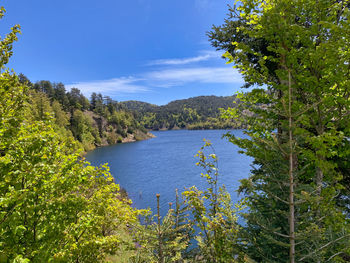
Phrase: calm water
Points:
(162, 164)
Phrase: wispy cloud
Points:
(114, 86)
(164, 78)
(173, 77)
(206, 55)
(165, 73)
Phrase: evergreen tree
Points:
(99, 106)
(60, 95)
(93, 100)
(214, 215)
(61, 117)
(50, 199)
(24, 80)
(165, 239)
(45, 86)
(302, 60)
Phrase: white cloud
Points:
(164, 78)
(110, 87)
(206, 55)
(173, 77)
(169, 73)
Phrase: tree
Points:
(50, 198)
(60, 95)
(299, 53)
(77, 100)
(44, 86)
(93, 101)
(213, 214)
(6, 43)
(99, 106)
(165, 239)
(61, 117)
(84, 130)
(40, 105)
(24, 80)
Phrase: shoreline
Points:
(149, 135)
(129, 139)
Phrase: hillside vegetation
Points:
(101, 121)
(201, 112)
(56, 207)
(96, 122)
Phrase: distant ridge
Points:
(198, 102)
(201, 112)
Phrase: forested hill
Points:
(101, 121)
(96, 122)
(201, 112)
(295, 201)
(138, 106)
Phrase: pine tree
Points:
(165, 239)
(214, 215)
(296, 126)
(50, 198)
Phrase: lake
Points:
(162, 164)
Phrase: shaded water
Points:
(162, 164)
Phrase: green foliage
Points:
(40, 106)
(213, 214)
(111, 138)
(83, 129)
(6, 43)
(164, 240)
(96, 124)
(121, 118)
(55, 207)
(50, 198)
(44, 86)
(299, 53)
(201, 112)
(201, 228)
(61, 117)
(76, 100)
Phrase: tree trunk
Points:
(291, 177)
(160, 249)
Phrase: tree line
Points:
(95, 122)
(294, 55)
(202, 112)
(298, 193)
(101, 120)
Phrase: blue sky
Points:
(150, 50)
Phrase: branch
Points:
(274, 232)
(275, 196)
(324, 246)
(336, 254)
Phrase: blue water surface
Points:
(167, 162)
